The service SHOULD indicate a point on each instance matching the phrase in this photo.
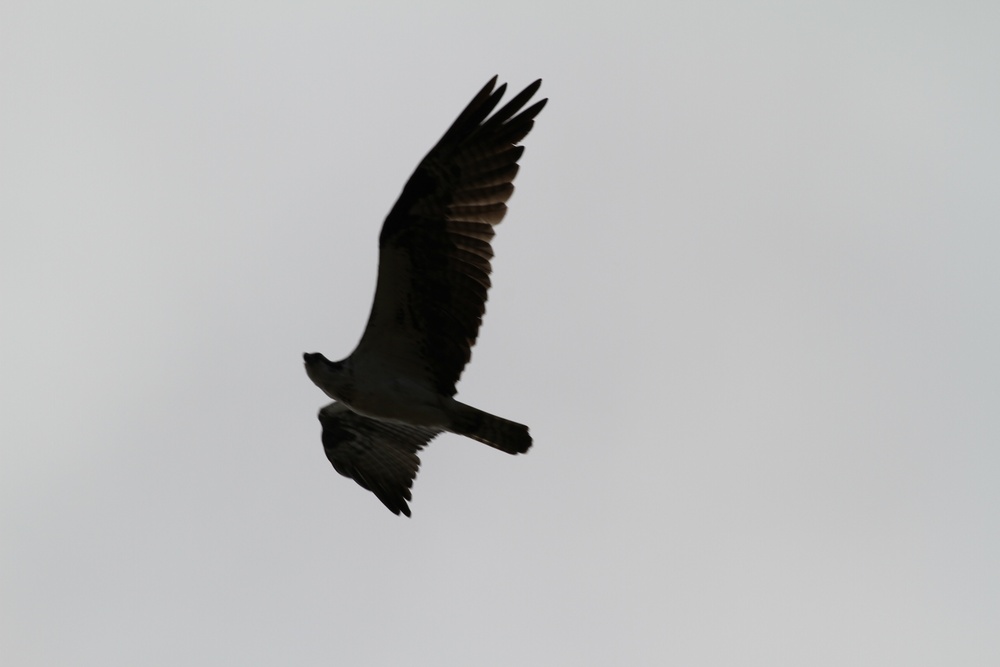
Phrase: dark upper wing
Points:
(434, 249)
(380, 456)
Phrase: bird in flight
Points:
(395, 392)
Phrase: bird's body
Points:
(395, 392)
(385, 393)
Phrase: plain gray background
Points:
(747, 297)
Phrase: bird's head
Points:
(314, 362)
(314, 359)
(317, 364)
(325, 374)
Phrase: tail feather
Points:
(503, 434)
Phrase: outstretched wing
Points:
(434, 249)
(380, 456)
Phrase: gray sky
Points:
(747, 297)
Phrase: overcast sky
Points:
(747, 297)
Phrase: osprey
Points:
(394, 393)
